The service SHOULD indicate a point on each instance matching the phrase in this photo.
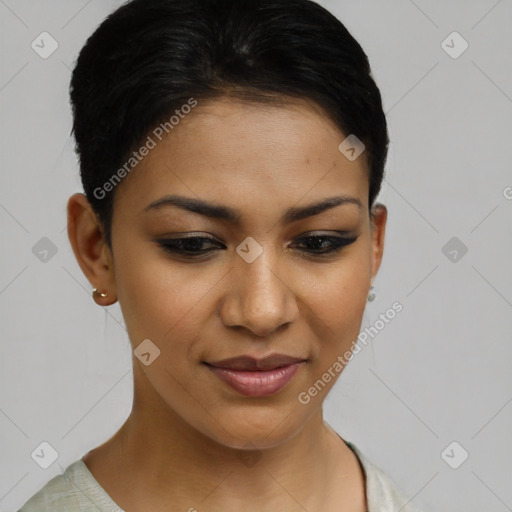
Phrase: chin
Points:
(249, 430)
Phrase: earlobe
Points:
(378, 230)
(88, 244)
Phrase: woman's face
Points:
(249, 283)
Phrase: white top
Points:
(76, 490)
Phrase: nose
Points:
(258, 298)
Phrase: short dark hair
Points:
(150, 57)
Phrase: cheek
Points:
(336, 309)
(344, 303)
(159, 298)
(336, 295)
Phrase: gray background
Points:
(439, 372)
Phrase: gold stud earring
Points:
(95, 292)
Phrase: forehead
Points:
(242, 153)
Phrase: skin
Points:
(183, 441)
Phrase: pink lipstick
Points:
(257, 377)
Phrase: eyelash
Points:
(175, 245)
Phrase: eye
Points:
(320, 244)
(190, 246)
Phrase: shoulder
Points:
(58, 494)
(382, 494)
(73, 490)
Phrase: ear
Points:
(378, 217)
(91, 251)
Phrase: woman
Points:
(231, 152)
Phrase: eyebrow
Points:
(216, 211)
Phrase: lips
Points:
(249, 363)
(257, 377)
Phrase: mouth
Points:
(257, 377)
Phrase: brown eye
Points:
(190, 246)
(325, 244)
